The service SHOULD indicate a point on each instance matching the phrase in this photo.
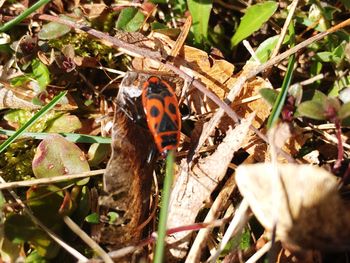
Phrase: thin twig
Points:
(50, 180)
(262, 251)
(88, 240)
(291, 11)
(236, 225)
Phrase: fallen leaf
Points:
(310, 212)
(192, 190)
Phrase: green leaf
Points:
(57, 156)
(45, 202)
(270, 95)
(130, 19)
(319, 97)
(41, 74)
(113, 217)
(93, 218)
(253, 19)
(200, 11)
(325, 56)
(344, 111)
(19, 81)
(97, 153)
(282, 96)
(19, 228)
(265, 49)
(64, 123)
(34, 257)
(53, 30)
(311, 109)
(245, 242)
(339, 84)
(83, 205)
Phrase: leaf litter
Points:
(302, 207)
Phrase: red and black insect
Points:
(162, 113)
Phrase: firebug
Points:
(162, 114)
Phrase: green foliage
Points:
(311, 109)
(335, 56)
(20, 229)
(53, 121)
(83, 46)
(322, 107)
(82, 199)
(34, 257)
(93, 218)
(45, 203)
(54, 30)
(39, 77)
(20, 117)
(63, 123)
(56, 156)
(282, 96)
(344, 111)
(263, 52)
(242, 241)
(16, 161)
(254, 17)
(130, 19)
(200, 11)
(97, 153)
(270, 95)
(113, 217)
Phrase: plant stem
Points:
(279, 103)
(163, 217)
(23, 16)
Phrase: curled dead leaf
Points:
(311, 214)
(128, 176)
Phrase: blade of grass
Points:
(163, 217)
(29, 123)
(279, 103)
(73, 137)
(23, 16)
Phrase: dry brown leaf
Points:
(128, 176)
(17, 98)
(8, 100)
(216, 74)
(93, 10)
(191, 191)
(311, 214)
(257, 104)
